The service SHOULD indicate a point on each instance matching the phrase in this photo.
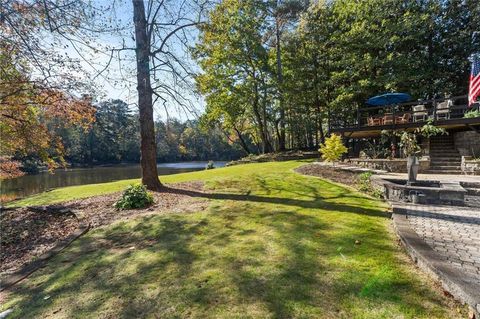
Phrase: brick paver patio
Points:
(443, 240)
(453, 232)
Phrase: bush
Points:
(365, 185)
(135, 196)
(333, 148)
(428, 130)
(364, 181)
(408, 141)
(472, 114)
(210, 165)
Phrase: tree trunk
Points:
(242, 141)
(281, 137)
(317, 100)
(148, 147)
(262, 121)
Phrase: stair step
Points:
(451, 142)
(445, 168)
(452, 147)
(432, 171)
(446, 158)
(444, 149)
(444, 153)
(445, 163)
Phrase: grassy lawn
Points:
(273, 244)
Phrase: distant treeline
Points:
(114, 137)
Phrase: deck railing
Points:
(435, 110)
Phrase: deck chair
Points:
(419, 113)
(405, 118)
(443, 110)
(373, 121)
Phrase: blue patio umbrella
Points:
(389, 99)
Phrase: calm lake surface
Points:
(33, 184)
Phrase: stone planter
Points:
(412, 168)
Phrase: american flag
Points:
(474, 90)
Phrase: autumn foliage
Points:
(29, 112)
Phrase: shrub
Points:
(333, 148)
(428, 130)
(408, 141)
(376, 150)
(135, 196)
(364, 181)
(365, 185)
(472, 114)
(210, 165)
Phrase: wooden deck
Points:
(371, 121)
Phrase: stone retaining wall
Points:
(275, 157)
(470, 166)
(396, 165)
(467, 143)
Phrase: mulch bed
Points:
(329, 172)
(29, 232)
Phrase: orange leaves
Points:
(9, 168)
(29, 113)
(72, 111)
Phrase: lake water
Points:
(33, 184)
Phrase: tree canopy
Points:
(333, 57)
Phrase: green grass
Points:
(84, 191)
(272, 244)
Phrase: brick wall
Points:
(467, 143)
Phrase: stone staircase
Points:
(444, 158)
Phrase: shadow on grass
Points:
(100, 265)
(317, 201)
(237, 260)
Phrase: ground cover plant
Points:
(135, 196)
(272, 244)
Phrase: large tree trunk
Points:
(148, 146)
